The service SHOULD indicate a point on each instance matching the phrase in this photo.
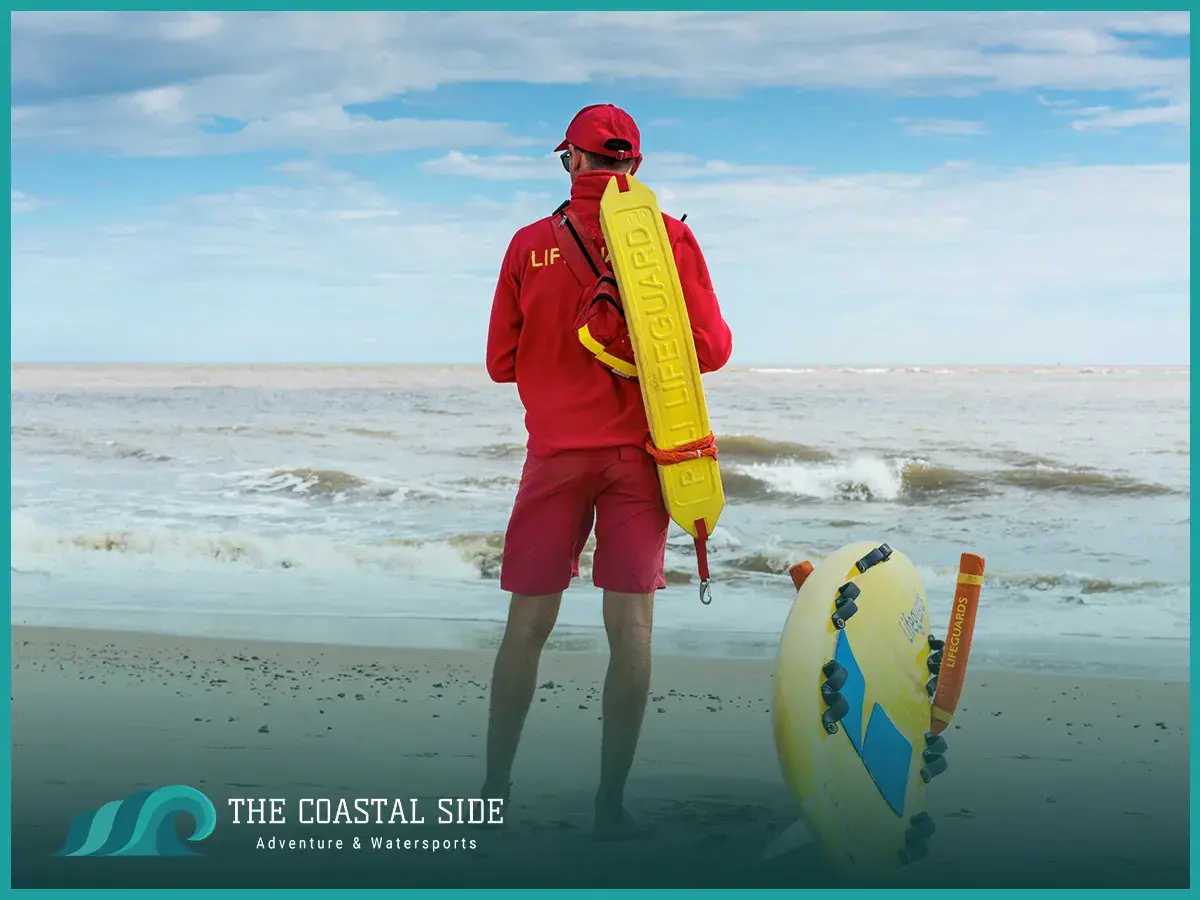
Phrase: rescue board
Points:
(856, 731)
(665, 354)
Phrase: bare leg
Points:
(628, 619)
(514, 679)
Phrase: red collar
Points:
(588, 187)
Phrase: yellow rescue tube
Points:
(663, 348)
(851, 710)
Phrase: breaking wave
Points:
(474, 556)
(36, 548)
(1083, 584)
(904, 480)
(461, 557)
(865, 479)
(750, 448)
(325, 483)
(1081, 481)
(1019, 459)
(761, 563)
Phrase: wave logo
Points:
(143, 824)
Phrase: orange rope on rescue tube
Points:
(706, 446)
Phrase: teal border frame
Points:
(6, 650)
(614, 5)
(514, 6)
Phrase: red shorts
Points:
(560, 497)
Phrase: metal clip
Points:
(705, 593)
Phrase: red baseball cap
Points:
(606, 130)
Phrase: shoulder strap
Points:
(576, 247)
(585, 239)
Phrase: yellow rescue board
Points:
(860, 787)
(663, 348)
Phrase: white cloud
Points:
(663, 166)
(1105, 118)
(162, 102)
(942, 127)
(156, 123)
(1054, 104)
(1170, 107)
(290, 75)
(495, 168)
(956, 264)
(23, 203)
(192, 26)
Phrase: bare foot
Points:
(490, 793)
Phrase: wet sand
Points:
(1053, 780)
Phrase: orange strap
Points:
(706, 446)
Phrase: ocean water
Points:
(370, 503)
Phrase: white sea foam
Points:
(37, 548)
(864, 478)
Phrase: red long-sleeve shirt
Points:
(572, 402)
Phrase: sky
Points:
(868, 188)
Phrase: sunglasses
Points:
(566, 160)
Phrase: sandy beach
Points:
(1053, 780)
